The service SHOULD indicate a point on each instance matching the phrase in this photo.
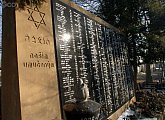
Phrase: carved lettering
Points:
(39, 55)
(38, 64)
(37, 40)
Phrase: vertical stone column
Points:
(29, 76)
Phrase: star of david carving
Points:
(36, 16)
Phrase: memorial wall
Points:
(48, 48)
(91, 50)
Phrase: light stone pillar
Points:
(29, 76)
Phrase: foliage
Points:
(23, 3)
(90, 5)
(138, 19)
(149, 104)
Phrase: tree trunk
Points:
(163, 69)
(134, 62)
(148, 73)
(135, 76)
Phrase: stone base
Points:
(86, 110)
(118, 113)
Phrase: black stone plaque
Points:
(95, 53)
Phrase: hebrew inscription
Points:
(37, 39)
